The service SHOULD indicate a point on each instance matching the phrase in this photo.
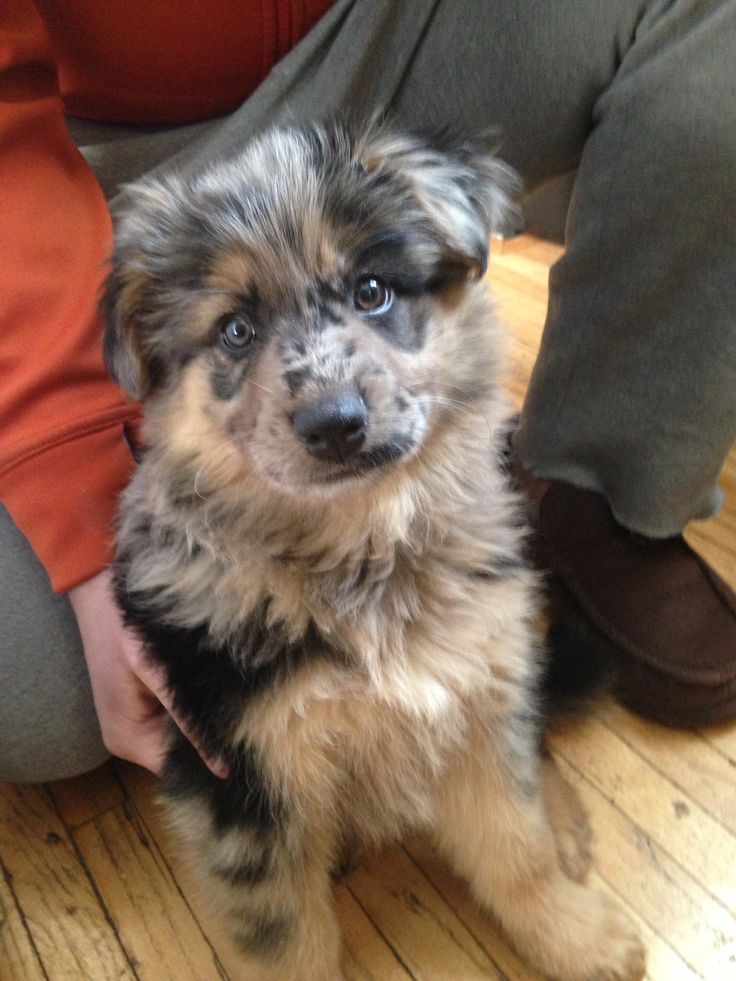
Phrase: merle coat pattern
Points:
(321, 548)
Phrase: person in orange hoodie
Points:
(632, 405)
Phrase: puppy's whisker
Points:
(263, 388)
(199, 475)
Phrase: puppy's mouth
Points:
(367, 461)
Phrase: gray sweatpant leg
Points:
(634, 391)
(48, 726)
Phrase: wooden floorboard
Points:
(94, 888)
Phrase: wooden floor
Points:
(93, 888)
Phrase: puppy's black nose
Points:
(332, 427)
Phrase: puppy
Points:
(320, 546)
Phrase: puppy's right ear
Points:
(144, 220)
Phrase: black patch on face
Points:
(327, 316)
(226, 382)
(448, 274)
(297, 378)
(404, 324)
(264, 934)
(392, 262)
(401, 403)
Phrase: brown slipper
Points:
(662, 617)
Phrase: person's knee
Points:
(46, 745)
(47, 716)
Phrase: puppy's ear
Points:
(144, 224)
(467, 194)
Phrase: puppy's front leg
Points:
(492, 826)
(265, 865)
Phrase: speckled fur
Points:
(353, 637)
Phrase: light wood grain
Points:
(63, 915)
(668, 816)
(18, 958)
(86, 797)
(688, 761)
(157, 928)
(428, 937)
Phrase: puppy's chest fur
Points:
(328, 649)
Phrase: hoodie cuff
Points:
(64, 499)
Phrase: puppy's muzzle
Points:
(332, 427)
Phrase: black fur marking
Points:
(243, 798)
(362, 573)
(448, 275)
(349, 349)
(246, 873)
(157, 372)
(581, 663)
(404, 324)
(327, 316)
(499, 567)
(211, 684)
(264, 934)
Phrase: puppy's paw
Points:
(621, 955)
(590, 938)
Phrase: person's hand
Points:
(130, 693)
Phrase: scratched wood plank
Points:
(685, 758)
(429, 938)
(669, 817)
(18, 958)
(483, 927)
(64, 917)
(365, 954)
(83, 798)
(723, 740)
(156, 926)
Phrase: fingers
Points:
(130, 692)
(153, 677)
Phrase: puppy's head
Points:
(310, 310)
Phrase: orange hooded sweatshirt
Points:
(63, 460)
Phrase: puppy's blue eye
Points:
(372, 295)
(236, 333)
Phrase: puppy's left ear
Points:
(467, 194)
(145, 225)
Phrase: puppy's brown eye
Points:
(236, 333)
(372, 295)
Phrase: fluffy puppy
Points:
(320, 547)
